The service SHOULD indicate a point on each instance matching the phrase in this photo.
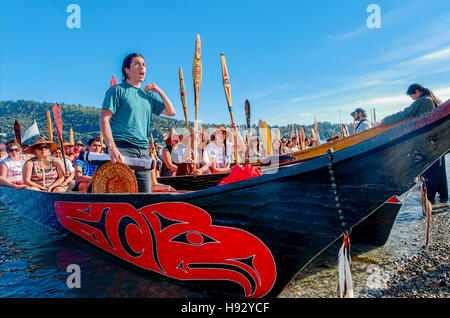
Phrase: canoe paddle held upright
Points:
(197, 77)
(183, 96)
(227, 88)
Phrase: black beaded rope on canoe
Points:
(334, 187)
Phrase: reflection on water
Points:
(34, 259)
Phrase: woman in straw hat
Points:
(170, 154)
(187, 157)
(221, 148)
(43, 172)
(11, 166)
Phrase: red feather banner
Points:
(58, 120)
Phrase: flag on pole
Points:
(33, 130)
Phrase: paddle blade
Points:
(49, 126)
(183, 94)
(71, 139)
(58, 120)
(316, 128)
(197, 72)
(265, 136)
(226, 81)
(17, 132)
(302, 138)
(247, 112)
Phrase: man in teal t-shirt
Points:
(126, 115)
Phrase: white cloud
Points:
(347, 35)
(436, 56)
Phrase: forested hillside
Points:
(84, 121)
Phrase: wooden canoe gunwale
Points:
(342, 143)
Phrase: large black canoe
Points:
(250, 237)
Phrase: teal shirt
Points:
(418, 107)
(132, 110)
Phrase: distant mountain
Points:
(84, 121)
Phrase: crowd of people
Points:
(46, 166)
(125, 121)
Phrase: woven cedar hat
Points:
(114, 178)
(39, 141)
(221, 128)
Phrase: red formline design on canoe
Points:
(174, 239)
(394, 199)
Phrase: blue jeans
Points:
(143, 178)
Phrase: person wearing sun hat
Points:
(187, 158)
(43, 172)
(360, 115)
(77, 148)
(220, 149)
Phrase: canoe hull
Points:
(257, 233)
(374, 230)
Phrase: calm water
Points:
(34, 259)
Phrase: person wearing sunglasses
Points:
(43, 172)
(11, 166)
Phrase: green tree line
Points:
(84, 121)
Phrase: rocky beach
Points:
(402, 268)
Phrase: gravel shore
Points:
(427, 274)
(400, 269)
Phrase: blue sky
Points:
(292, 59)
